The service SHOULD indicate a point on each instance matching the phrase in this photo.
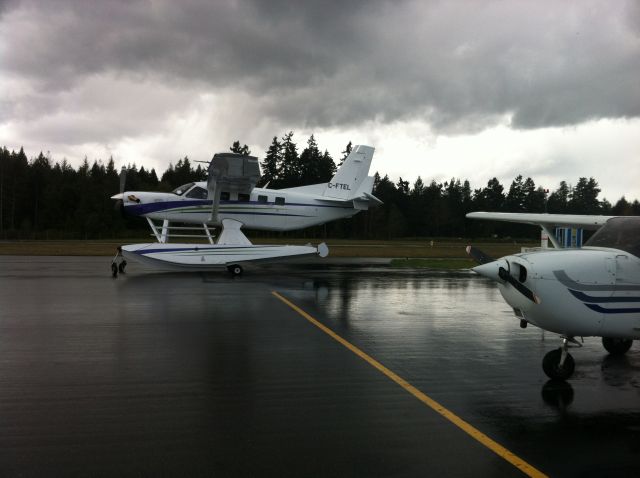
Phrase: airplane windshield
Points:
(182, 189)
(618, 233)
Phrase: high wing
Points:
(544, 220)
(233, 172)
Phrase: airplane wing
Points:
(544, 220)
(234, 172)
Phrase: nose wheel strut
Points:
(118, 264)
(559, 364)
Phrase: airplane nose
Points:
(490, 270)
(117, 196)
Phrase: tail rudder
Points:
(347, 182)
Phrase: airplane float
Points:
(229, 200)
(575, 292)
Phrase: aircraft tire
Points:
(616, 346)
(114, 269)
(235, 270)
(550, 365)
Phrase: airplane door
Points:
(627, 294)
(281, 215)
(627, 271)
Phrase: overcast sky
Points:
(468, 89)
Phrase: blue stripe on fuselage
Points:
(197, 249)
(140, 209)
(603, 310)
(601, 300)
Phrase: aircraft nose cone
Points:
(489, 270)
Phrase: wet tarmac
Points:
(165, 374)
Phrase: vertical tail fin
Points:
(350, 176)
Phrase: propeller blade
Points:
(123, 178)
(506, 276)
(479, 256)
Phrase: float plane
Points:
(229, 200)
(575, 292)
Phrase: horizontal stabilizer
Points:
(373, 201)
(363, 202)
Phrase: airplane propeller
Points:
(123, 179)
(487, 268)
(479, 256)
(119, 202)
(505, 275)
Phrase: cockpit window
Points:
(618, 233)
(197, 193)
(182, 189)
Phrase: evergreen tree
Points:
(584, 197)
(327, 168)
(453, 203)
(345, 153)
(435, 213)
(514, 202)
(243, 150)
(558, 202)
(622, 208)
(416, 217)
(289, 167)
(4, 164)
(270, 164)
(491, 198)
(388, 220)
(309, 163)
(40, 169)
(535, 198)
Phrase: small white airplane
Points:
(589, 291)
(230, 200)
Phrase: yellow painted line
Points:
(501, 451)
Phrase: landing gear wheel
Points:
(235, 270)
(616, 346)
(114, 269)
(122, 266)
(551, 365)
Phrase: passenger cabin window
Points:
(279, 201)
(224, 195)
(262, 198)
(197, 193)
(182, 189)
(243, 197)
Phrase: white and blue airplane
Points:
(230, 201)
(575, 292)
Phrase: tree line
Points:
(40, 198)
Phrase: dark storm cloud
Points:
(458, 65)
